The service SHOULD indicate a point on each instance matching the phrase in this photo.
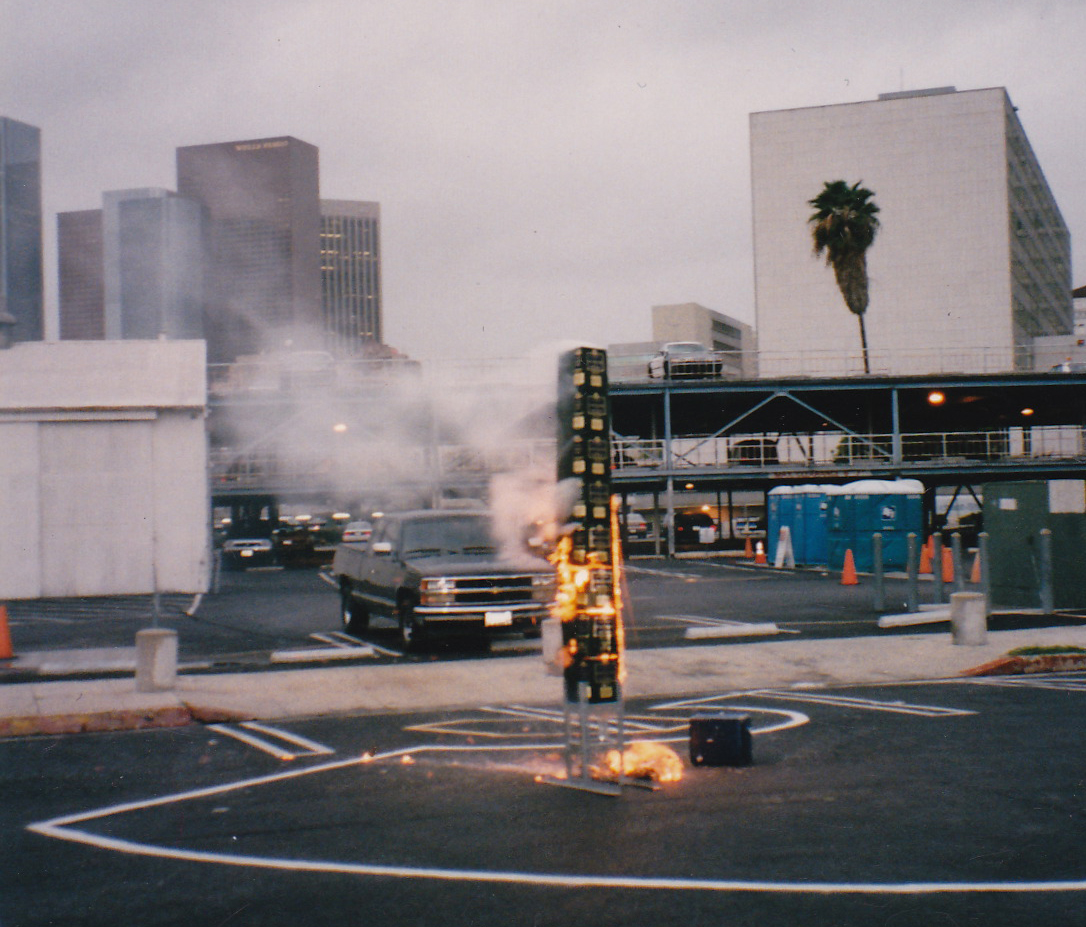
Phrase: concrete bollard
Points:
(968, 618)
(156, 660)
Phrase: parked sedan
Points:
(357, 532)
(636, 527)
(241, 553)
(695, 528)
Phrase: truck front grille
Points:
(493, 590)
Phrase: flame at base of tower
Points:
(646, 759)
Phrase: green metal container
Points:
(1014, 516)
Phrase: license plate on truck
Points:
(497, 619)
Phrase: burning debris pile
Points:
(645, 759)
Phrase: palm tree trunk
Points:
(863, 341)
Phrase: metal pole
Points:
(656, 522)
(895, 416)
(937, 567)
(880, 585)
(985, 574)
(669, 464)
(956, 557)
(583, 705)
(1047, 605)
(912, 604)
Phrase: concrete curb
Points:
(1037, 663)
(95, 722)
(100, 722)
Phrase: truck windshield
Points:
(456, 534)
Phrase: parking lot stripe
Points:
(310, 747)
(1053, 683)
(314, 748)
(819, 698)
(252, 740)
(865, 704)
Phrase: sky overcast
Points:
(546, 171)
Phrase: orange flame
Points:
(573, 579)
(616, 562)
(645, 759)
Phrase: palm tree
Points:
(843, 225)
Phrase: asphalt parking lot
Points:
(256, 614)
(955, 802)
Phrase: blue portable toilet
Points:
(804, 511)
(892, 508)
(781, 513)
(816, 505)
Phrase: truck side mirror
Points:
(381, 548)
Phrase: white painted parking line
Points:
(310, 748)
(346, 641)
(867, 704)
(818, 698)
(335, 638)
(666, 574)
(1054, 683)
(313, 748)
(72, 828)
(643, 727)
(647, 724)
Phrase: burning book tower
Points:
(588, 561)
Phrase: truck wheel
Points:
(411, 632)
(353, 613)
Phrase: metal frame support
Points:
(593, 734)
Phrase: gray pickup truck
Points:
(441, 573)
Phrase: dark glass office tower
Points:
(263, 208)
(79, 265)
(21, 228)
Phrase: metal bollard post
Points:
(879, 581)
(1045, 557)
(985, 575)
(956, 559)
(912, 603)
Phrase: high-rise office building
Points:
(153, 264)
(21, 229)
(132, 269)
(79, 265)
(350, 251)
(972, 260)
(263, 209)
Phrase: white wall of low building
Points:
(103, 473)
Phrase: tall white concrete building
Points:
(972, 260)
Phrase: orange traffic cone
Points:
(6, 653)
(748, 550)
(974, 576)
(948, 565)
(848, 574)
(926, 555)
(759, 553)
